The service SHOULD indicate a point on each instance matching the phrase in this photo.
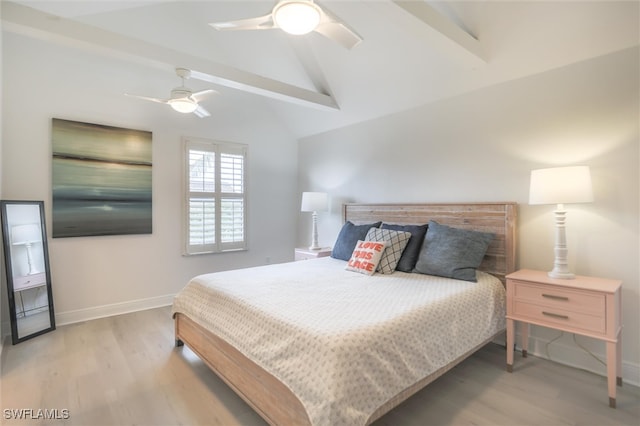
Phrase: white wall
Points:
(103, 275)
(481, 146)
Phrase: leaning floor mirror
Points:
(27, 266)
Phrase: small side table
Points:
(303, 253)
(585, 305)
(28, 282)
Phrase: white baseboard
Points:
(568, 353)
(80, 315)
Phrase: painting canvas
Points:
(101, 180)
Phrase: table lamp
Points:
(314, 202)
(25, 235)
(560, 186)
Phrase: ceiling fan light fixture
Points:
(297, 17)
(183, 105)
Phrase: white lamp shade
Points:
(26, 234)
(297, 17)
(314, 202)
(561, 185)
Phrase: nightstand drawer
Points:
(560, 317)
(561, 298)
(29, 281)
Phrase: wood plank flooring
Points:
(124, 370)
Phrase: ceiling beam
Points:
(33, 23)
(445, 32)
(304, 53)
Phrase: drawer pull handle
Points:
(552, 296)
(551, 314)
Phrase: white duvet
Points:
(343, 342)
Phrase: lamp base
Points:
(561, 275)
(32, 268)
(560, 263)
(314, 233)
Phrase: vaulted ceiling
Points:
(413, 52)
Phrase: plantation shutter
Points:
(216, 196)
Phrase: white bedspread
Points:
(343, 342)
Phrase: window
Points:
(216, 199)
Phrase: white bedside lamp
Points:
(25, 235)
(561, 185)
(314, 202)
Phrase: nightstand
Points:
(585, 305)
(27, 282)
(305, 253)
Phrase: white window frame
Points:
(219, 149)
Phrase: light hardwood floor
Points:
(124, 370)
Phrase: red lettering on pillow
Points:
(355, 263)
(371, 245)
(363, 254)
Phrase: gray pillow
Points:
(412, 250)
(452, 252)
(348, 238)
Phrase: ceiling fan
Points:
(182, 98)
(298, 17)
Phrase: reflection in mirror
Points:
(27, 265)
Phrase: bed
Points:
(366, 343)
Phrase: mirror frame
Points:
(6, 223)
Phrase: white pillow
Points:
(396, 242)
(366, 257)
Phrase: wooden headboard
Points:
(499, 218)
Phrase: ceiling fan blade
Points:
(201, 112)
(334, 28)
(340, 33)
(146, 98)
(198, 96)
(260, 23)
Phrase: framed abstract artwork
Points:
(102, 180)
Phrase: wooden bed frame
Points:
(273, 400)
